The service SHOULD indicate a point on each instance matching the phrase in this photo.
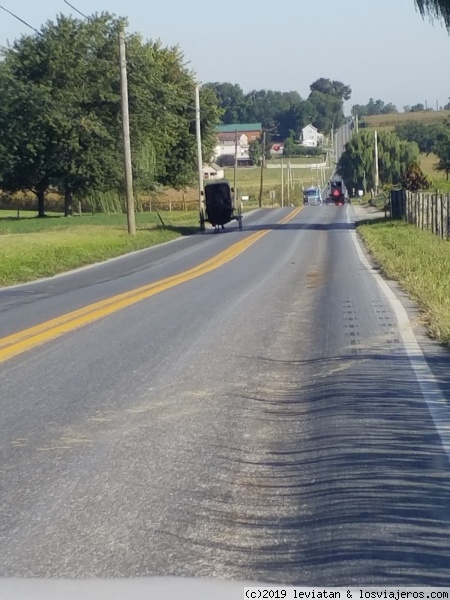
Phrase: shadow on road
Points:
(343, 480)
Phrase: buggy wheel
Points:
(202, 223)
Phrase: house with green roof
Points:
(253, 131)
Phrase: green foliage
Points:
(282, 112)
(414, 179)
(37, 248)
(374, 107)
(442, 150)
(61, 112)
(436, 9)
(424, 134)
(420, 261)
(255, 151)
(357, 164)
(332, 88)
(292, 149)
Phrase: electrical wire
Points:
(21, 20)
(76, 10)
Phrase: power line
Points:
(76, 10)
(21, 20)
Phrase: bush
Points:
(303, 151)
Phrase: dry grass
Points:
(392, 120)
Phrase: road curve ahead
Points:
(262, 421)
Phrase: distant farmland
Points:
(389, 122)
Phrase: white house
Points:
(226, 146)
(213, 171)
(311, 137)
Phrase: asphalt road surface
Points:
(262, 421)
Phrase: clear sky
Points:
(382, 49)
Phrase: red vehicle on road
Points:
(337, 193)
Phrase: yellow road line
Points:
(19, 342)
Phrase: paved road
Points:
(262, 422)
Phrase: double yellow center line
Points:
(22, 341)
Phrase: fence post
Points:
(448, 215)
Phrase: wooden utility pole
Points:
(376, 164)
(198, 133)
(235, 167)
(282, 182)
(263, 160)
(126, 135)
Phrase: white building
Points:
(213, 171)
(226, 146)
(311, 137)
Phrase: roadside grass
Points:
(437, 178)
(420, 262)
(248, 182)
(296, 160)
(58, 244)
(28, 223)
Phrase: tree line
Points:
(60, 115)
(284, 114)
(398, 152)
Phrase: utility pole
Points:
(263, 160)
(131, 220)
(332, 141)
(357, 123)
(235, 166)
(376, 164)
(289, 182)
(282, 182)
(198, 132)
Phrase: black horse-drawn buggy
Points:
(220, 206)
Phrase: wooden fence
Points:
(428, 211)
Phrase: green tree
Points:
(328, 98)
(332, 88)
(374, 107)
(255, 151)
(436, 9)
(414, 179)
(232, 101)
(395, 156)
(442, 149)
(66, 80)
(424, 134)
(27, 138)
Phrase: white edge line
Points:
(100, 263)
(431, 392)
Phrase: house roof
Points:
(241, 127)
(212, 167)
(310, 125)
(227, 137)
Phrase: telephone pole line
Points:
(263, 160)
(131, 220)
(235, 168)
(376, 164)
(198, 132)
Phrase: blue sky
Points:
(382, 49)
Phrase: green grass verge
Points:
(420, 262)
(55, 245)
